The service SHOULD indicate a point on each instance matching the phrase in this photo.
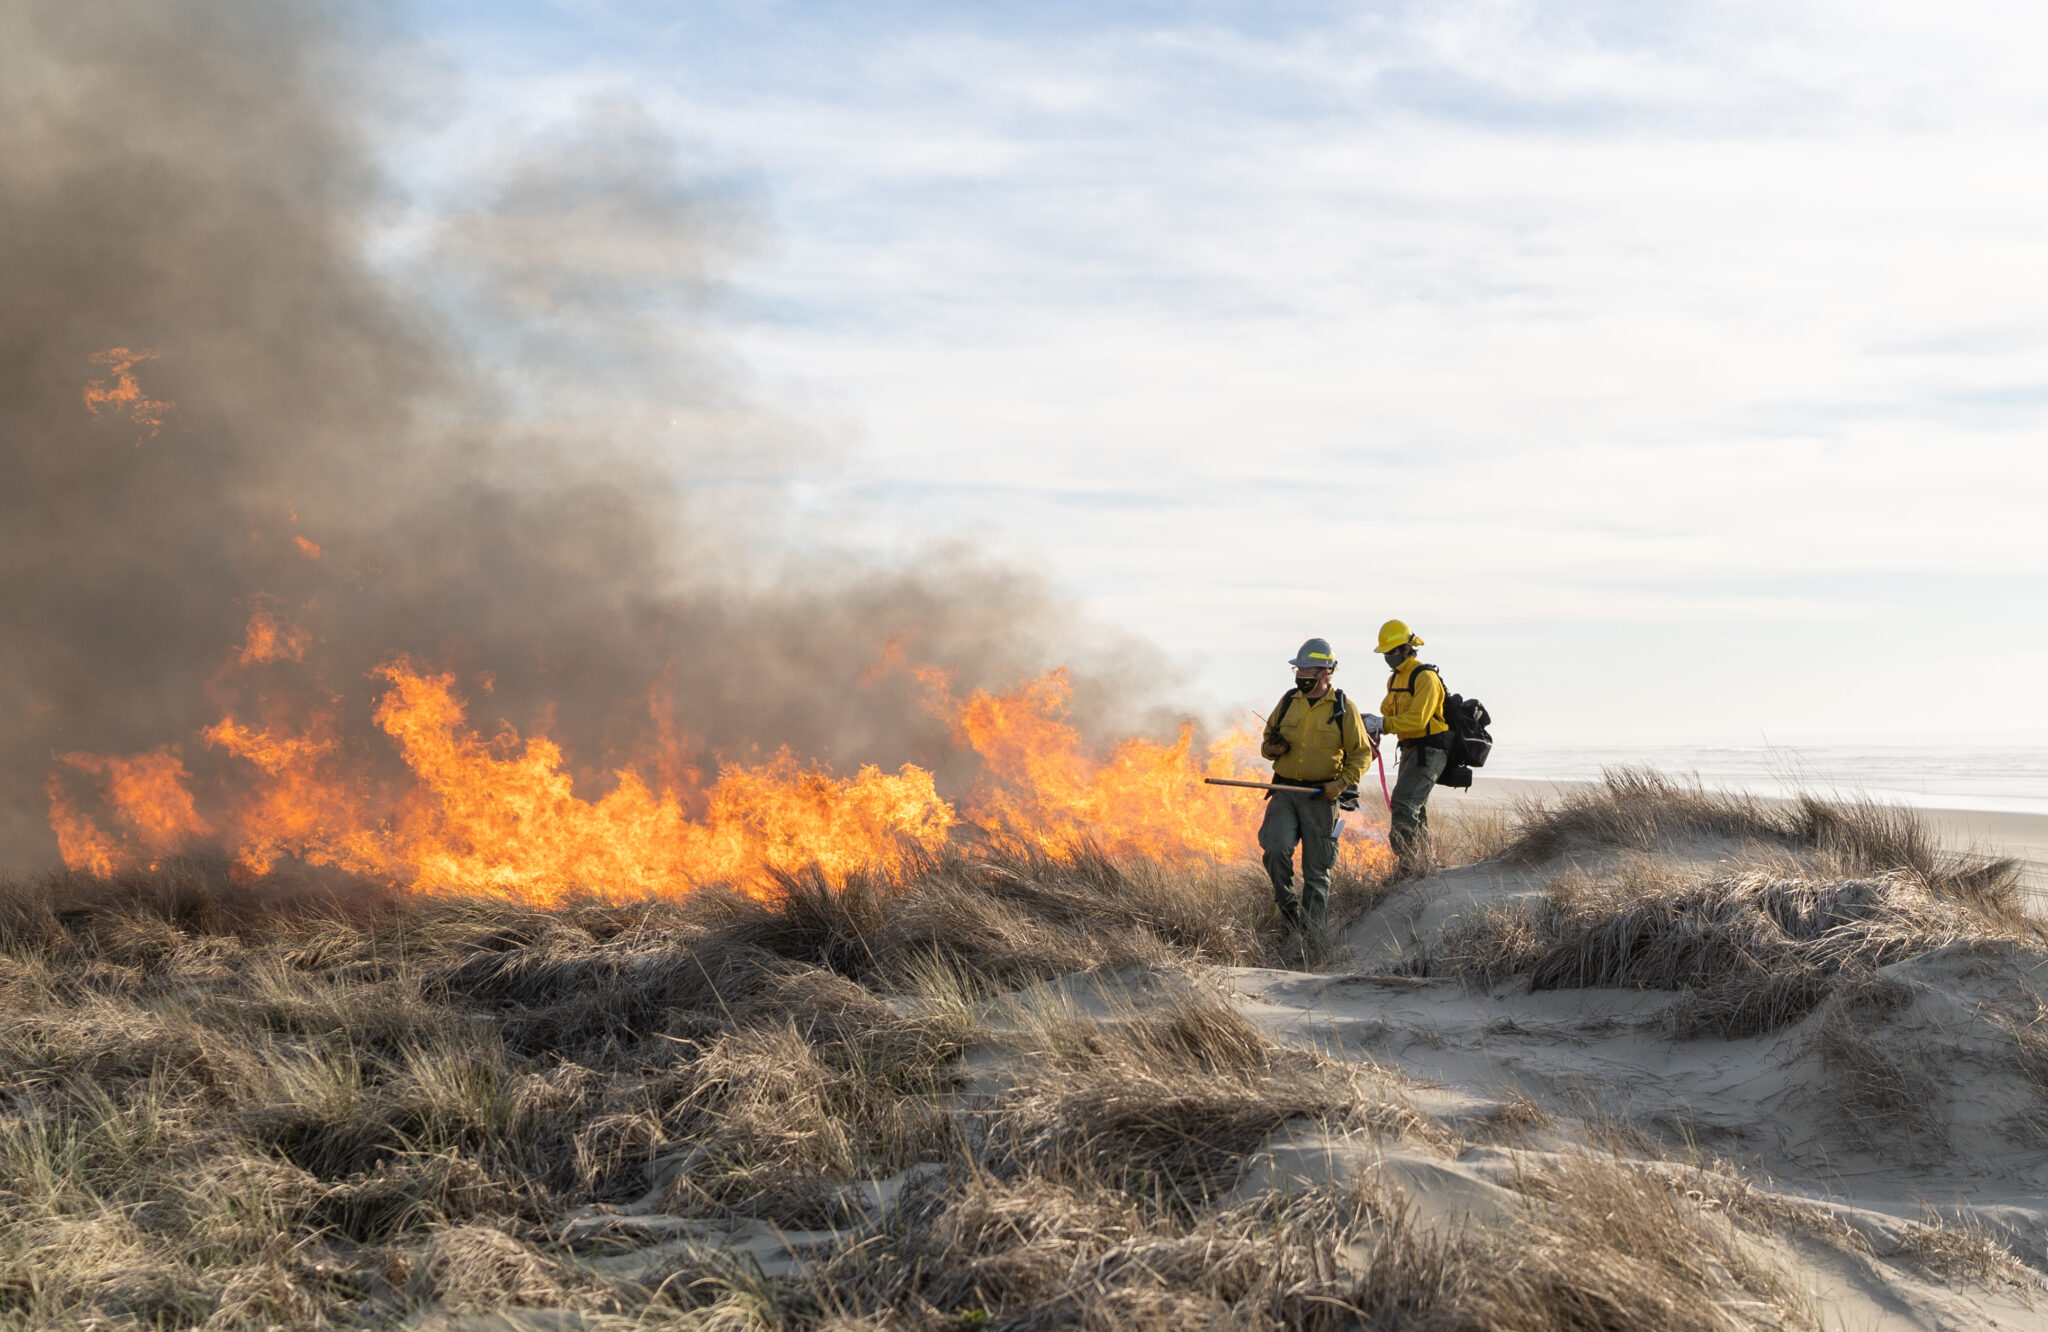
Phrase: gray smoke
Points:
(543, 473)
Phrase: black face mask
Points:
(1305, 683)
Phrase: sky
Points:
(1678, 371)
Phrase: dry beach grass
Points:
(1823, 893)
(350, 1107)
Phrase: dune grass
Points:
(329, 1104)
(1639, 809)
(1751, 950)
(1829, 893)
(238, 1109)
(1599, 1247)
(250, 1105)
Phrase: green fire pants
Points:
(1408, 826)
(1299, 817)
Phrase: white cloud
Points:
(1630, 326)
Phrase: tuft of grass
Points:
(1164, 1106)
(1513, 1119)
(1881, 1097)
(465, 1269)
(1614, 1246)
(2025, 1021)
(1463, 835)
(1638, 809)
(1752, 951)
(777, 1126)
(1960, 1248)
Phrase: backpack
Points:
(1468, 742)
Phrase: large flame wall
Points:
(500, 814)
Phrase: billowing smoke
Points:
(519, 466)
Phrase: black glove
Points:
(1274, 747)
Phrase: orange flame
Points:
(501, 815)
(147, 792)
(1146, 798)
(82, 845)
(309, 549)
(300, 808)
(125, 394)
(479, 821)
(271, 639)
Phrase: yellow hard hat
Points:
(1395, 634)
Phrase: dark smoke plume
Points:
(532, 475)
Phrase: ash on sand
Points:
(1655, 1058)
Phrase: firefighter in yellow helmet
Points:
(1319, 745)
(1414, 713)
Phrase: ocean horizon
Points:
(2003, 779)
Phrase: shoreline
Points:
(1986, 832)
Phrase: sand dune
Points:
(1863, 1123)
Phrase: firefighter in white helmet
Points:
(1319, 744)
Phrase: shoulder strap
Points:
(1279, 712)
(1344, 706)
(1443, 703)
(1409, 688)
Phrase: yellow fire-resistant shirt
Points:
(1321, 744)
(1414, 705)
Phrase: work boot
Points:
(1412, 858)
(1290, 916)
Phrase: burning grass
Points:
(494, 813)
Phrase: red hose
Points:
(1380, 763)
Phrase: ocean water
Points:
(2002, 779)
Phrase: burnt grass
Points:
(316, 1102)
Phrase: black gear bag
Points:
(1468, 742)
(1471, 741)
